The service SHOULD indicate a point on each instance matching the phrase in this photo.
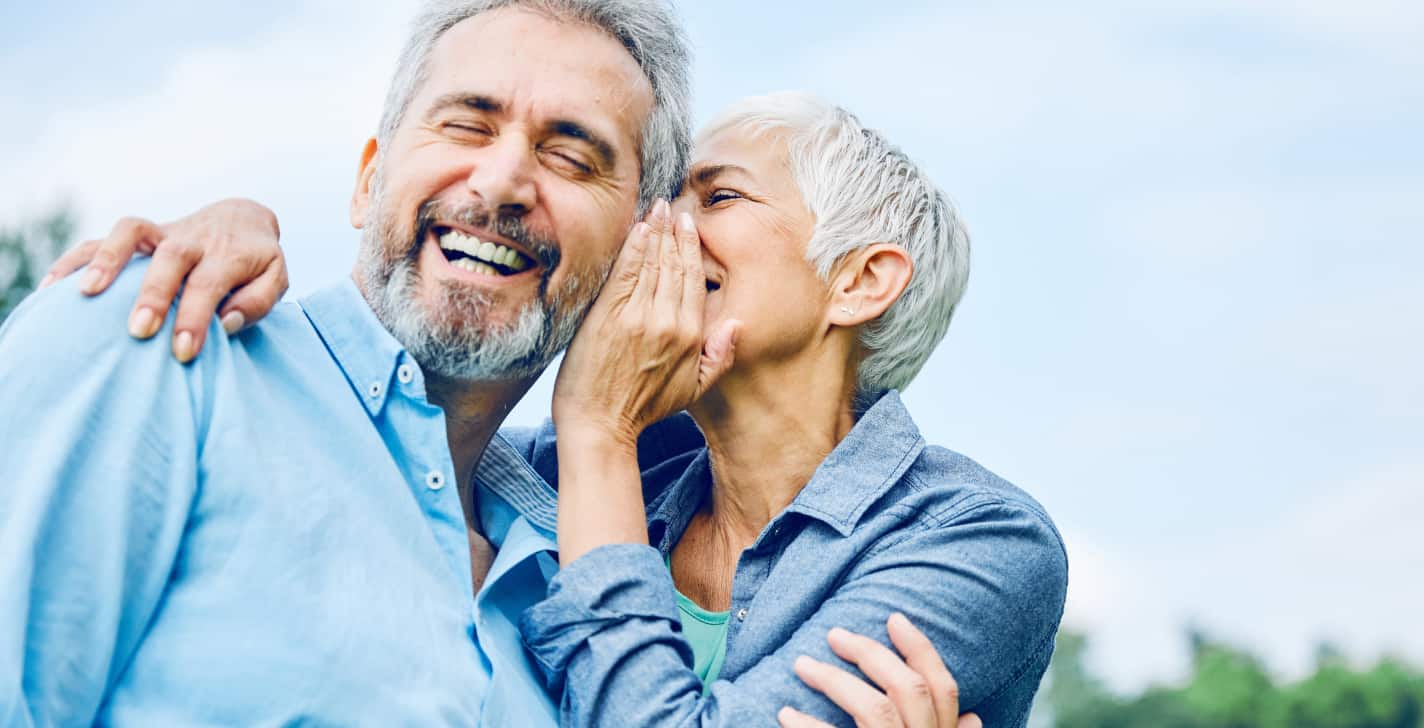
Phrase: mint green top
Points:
(706, 632)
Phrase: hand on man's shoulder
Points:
(64, 330)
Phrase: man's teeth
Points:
(474, 266)
(487, 252)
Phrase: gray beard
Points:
(454, 340)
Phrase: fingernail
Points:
(91, 280)
(233, 322)
(662, 210)
(141, 323)
(47, 280)
(183, 346)
(684, 221)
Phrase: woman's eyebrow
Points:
(706, 173)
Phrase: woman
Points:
(828, 270)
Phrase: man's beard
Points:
(453, 338)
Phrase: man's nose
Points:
(503, 176)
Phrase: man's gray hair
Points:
(647, 28)
(863, 190)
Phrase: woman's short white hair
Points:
(648, 29)
(863, 190)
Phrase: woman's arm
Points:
(908, 688)
(611, 632)
(225, 254)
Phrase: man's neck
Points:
(473, 413)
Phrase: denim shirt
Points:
(885, 524)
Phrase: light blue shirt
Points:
(269, 535)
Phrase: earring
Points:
(846, 310)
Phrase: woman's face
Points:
(754, 228)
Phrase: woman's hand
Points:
(225, 254)
(638, 358)
(641, 354)
(915, 691)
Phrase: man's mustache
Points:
(544, 249)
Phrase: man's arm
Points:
(986, 583)
(99, 437)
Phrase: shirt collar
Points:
(883, 445)
(507, 474)
(366, 352)
(670, 513)
(368, 355)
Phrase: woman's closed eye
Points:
(720, 194)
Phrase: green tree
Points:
(1073, 696)
(27, 250)
(1390, 695)
(1230, 688)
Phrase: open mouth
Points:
(469, 253)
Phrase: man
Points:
(183, 545)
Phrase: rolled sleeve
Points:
(621, 589)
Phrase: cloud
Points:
(1338, 567)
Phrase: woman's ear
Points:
(361, 198)
(868, 282)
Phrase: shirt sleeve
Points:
(99, 435)
(986, 583)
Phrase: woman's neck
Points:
(767, 434)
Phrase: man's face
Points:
(495, 212)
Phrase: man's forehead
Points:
(533, 61)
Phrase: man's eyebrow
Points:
(476, 102)
(575, 130)
(704, 175)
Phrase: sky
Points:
(1194, 328)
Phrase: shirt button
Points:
(374, 391)
(406, 374)
(742, 614)
(435, 480)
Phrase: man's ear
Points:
(361, 198)
(868, 282)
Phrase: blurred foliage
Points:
(26, 252)
(1230, 688)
